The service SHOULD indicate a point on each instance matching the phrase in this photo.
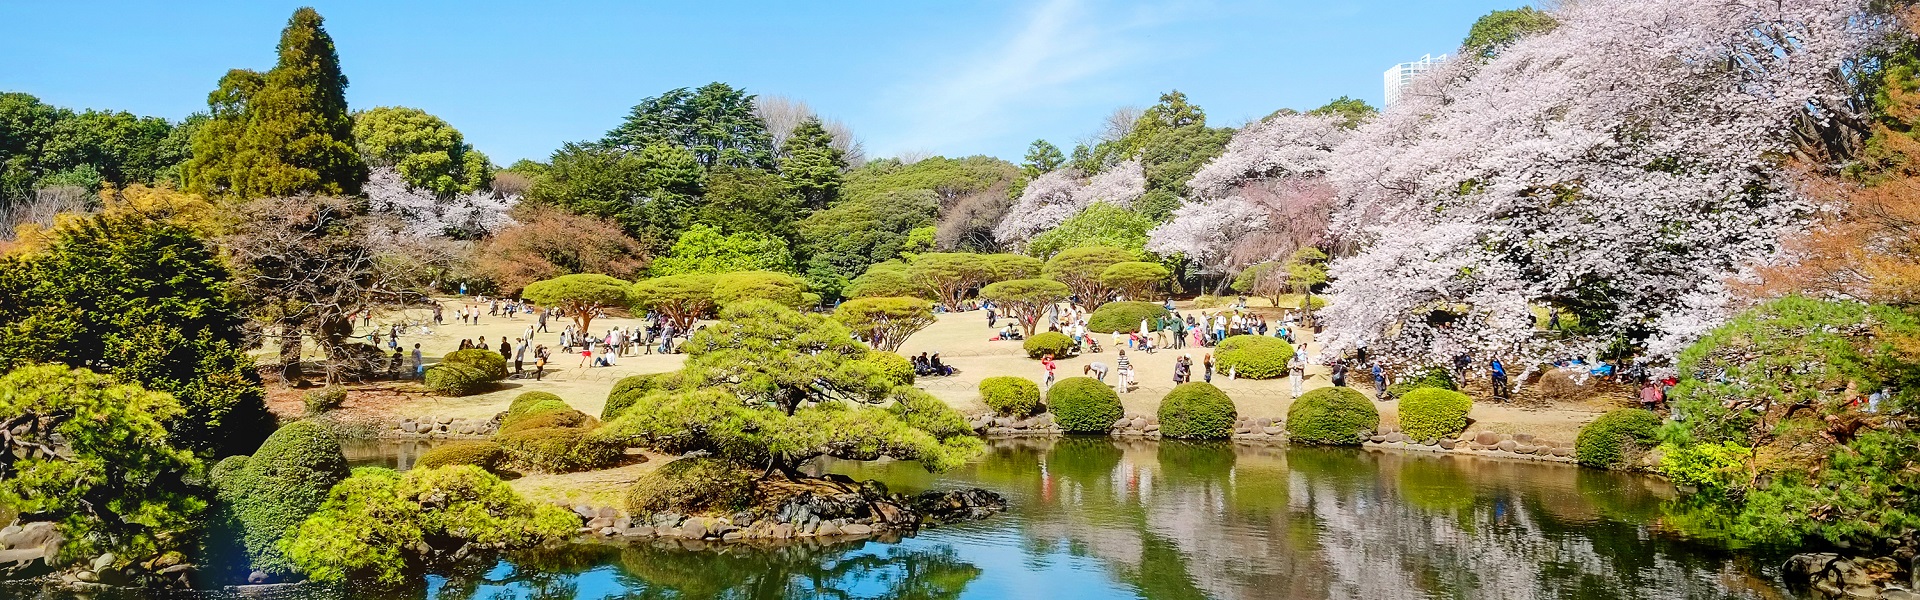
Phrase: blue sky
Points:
(951, 78)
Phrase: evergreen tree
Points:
(1041, 158)
(715, 122)
(811, 164)
(285, 132)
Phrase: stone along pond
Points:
(1102, 518)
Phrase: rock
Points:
(1243, 427)
(1123, 423)
(102, 562)
(446, 420)
(732, 536)
(585, 512)
(1139, 423)
(409, 426)
(1273, 430)
(609, 531)
(1396, 437)
(827, 528)
(1523, 438)
(1448, 443)
(1263, 422)
(694, 528)
(1151, 427)
(176, 569)
(666, 520)
(1429, 442)
(599, 522)
(1487, 438)
(1563, 452)
(30, 535)
(1507, 445)
(783, 531)
(1377, 439)
(857, 529)
(640, 531)
(257, 576)
(1523, 448)
(91, 577)
(1044, 419)
(1898, 595)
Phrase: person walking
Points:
(1340, 373)
(539, 361)
(1206, 367)
(1379, 381)
(1126, 371)
(419, 367)
(506, 350)
(1498, 373)
(520, 356)
(1046, 363)
(1296, 372)
(1182, 369)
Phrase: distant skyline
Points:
(520, 79)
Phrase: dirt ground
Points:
(961, 339)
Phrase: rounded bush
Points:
(273, 491)
(455, 380)
(1197, 410)
(1437, 378)
(548, 418)
(691, 485)
(1011, 396)
(631, 389)
(1084, 405)
(1051, 342)
(487, 361)
(1332, 416)
(327, 399)
(1123, 316)
(484, 454)
(533, 403)
(559, 449)
(898, 369)
(1615, 439)
(1253, 356)
(1434, 413)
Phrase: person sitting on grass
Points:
(939, 368)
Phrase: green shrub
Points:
(1084, 405)
(484, 454)
(1708, 465)
(533, 403)
(548, 418)
(1253, 356)
(898, 369)
(1436, 378)
(1617, 438)
(692, 485)
(630, 389)
(1197, 410)
(455, 380)
(1434, 413)
(559, 449)
(486, 361)
(1011, 396)
(1050, 342)
(264, 496)
(1124, 316)
(326, 399)
(1333, 416)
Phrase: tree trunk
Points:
(290, 340)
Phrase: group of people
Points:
(925, 366)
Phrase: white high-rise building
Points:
(1402, 74)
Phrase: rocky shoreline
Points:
(1273, 430)
(846, 511)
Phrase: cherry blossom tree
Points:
(1262, 198)
(1058, 195)
(420, 213)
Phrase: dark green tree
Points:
(715, 122)
(811, 165)
(742, 200)
(1501, 28)
(1351, 111)
(1041, 158)
(842, 241)
(650, 192)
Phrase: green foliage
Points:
(1042, 157)
(704, 249)
(848, 238)
(1331, 416)
(480, 453)
(1025, 300)
(427, 152)
(1011, 396)
(1003, 267)
(281, 133)
(1433, 413)
(117, 485)
(949, 276)
(947, 178)
(1084, 405)
(546, 417)
(1436, 377)
(533, 403)
(1352, 111)
(811, 165)
(559, 449)
(1617, 438)
(650, 192)
(767, 385)
(1048, 343)
(1197, 410)
(325, 400)
(1501, 28)
(715, 122)
(488, 362)
(275, 490)
(692, 486)
(883, 322)
(148, 302)
(682, 299)
(374, 525)
(630, 389)
(456, 380)
(1102, 224)
(43, 145)
(891, 278)
(1125, 316)
(741, 200)
(1135, 280)
(785, 289)
(1722, 465)
(894, 368)
(1253, 356)
(1080, 268)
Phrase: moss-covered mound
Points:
(559, 449)
(630, 389)
(480, 453)
(1049, 342)
(486, 361)
(1434, 413)
(260, 498)
(1197, 410)
(1431, 378)
(1253, 356)
(692, 485)
(1011, 396)
(1617, 438)
(1124, 316)
(533, 403)
(1332, 416)
(549, 418)
(454, 380)
(1084, 405)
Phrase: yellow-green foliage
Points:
(1253, 356)
(1050, 342)
(532, 403)
(548, 418)
(480, 453)
(1124, 316)
(264, 496)
(455, 380)
(559, 449)
(1333, 416)
(1706, 465)
(693, 485)
(374, 525)
(1430, 378)
(1197, 410)
(1615, 439)
(488, 362)
(1011, 396)
(1084, 405)
(896, 368)
(1433, 413)
(630, 389)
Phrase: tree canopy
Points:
(428, 153)
(1026, 300)
(715, 122)
(581, 294)
(885, 322)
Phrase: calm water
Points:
(1094, 518)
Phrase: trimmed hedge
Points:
(530, 404)
(455, 380)
(1124, 316)
(1084, 405)
(484, 454)
(548, 418)
(1436, 377)
(1197, 410)
(264, 496)
(1615, 439)
(487, 361)
(559, 449)
(1011, 396)
(327, 399)
(1049, 342)
(1434, 413)
(1253, 356)
(1332, 416)
(692, 485)
(631, 389)
(898, 369)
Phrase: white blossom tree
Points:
(1261, 199)
(1058, 195)
(420, 213)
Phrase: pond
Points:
(1101, 518)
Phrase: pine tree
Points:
(812, 165)
(1042, 157)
